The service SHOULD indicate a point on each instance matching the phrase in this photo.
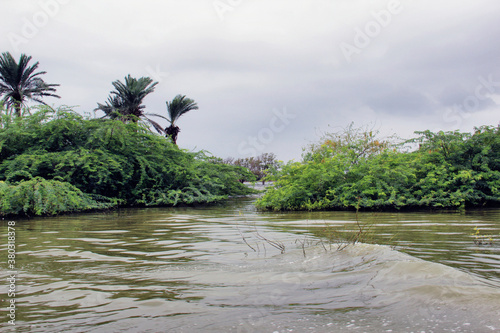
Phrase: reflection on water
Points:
(221, 269)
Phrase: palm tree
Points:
(176, 108)
(19, 82)
(125, 103)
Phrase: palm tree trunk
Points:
(172, 132)
(17, 109)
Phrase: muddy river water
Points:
(229, 268)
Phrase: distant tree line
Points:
(260, 166)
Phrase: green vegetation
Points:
(39, 196)
(19, 82)
(449, 170)
(58, 161)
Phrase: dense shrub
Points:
(47, 197)
(354, 170)
(124, 162)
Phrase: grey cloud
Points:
(267, 56)
(401, 101)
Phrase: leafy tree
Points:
(19, 82)
(176, 108)
(125, 102)
(359, 143)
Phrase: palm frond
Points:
(127, 98)
(20, 82)
(156, 126)
(179, 106)
(157, 115)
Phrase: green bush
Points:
(353, 170)
(124, 162)
(47, 197)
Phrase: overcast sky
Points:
(272, 75)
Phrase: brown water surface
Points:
(229, 268)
